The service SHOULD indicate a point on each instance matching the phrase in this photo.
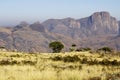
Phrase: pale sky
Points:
(14, 11)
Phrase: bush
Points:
(8, 62)
(95, 78)
(83, 49)
(93, 62)
(115, 76)
(73, 47)
(71, 58)
(74, 58)
(84, 61)
(105, 50)
(57, 58)
(105, 62)
(5, 62)
(28, 62)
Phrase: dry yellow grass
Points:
(23, 66)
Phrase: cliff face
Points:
(99, 23)
(68, 26)
(99, 29)
(119, 27)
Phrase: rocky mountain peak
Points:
(37, 22)
(71, 22)
(104, 14)
(37, 27)
(100, 16)
(24, 24)
(100, 23)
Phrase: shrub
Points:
(114, 62)
(84, 61)
(28, 62)
(71, 49)
(71, 58)
(8, 62)
(57, 58)
(105, 62)
(16, 55)
(83, 49)
(115, 76)
(95, 78)
(74, 58)
(93, 62)
(105, 50)
(5, 62)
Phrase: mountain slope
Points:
(99, 29)
(30, 39)
(99, 23)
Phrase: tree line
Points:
(57, 47)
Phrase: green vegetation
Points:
(105, 50)
(56, 46)
(73, 47)
(62, 66)
(1, 47)
(84, 49)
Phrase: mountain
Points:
(99, 29)
(99, 23)
(67, 26)
(30, 38)
(37, 27)
(119, 27)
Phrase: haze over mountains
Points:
(99, 29)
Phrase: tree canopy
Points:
(56, 46)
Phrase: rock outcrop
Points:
(119, 27)
(99, 23)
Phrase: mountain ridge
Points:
(96, 30)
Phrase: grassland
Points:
(62, 66)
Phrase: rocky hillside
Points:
(99, 29)
(30, 38)
(119, 27)
(99, 23)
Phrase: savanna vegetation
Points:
(63, 66)
(56, 46)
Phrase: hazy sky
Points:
(14, 11)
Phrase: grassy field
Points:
(62, 66)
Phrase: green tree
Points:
(56, 46)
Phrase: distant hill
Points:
(99, 29)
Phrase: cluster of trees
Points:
(57, 46)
